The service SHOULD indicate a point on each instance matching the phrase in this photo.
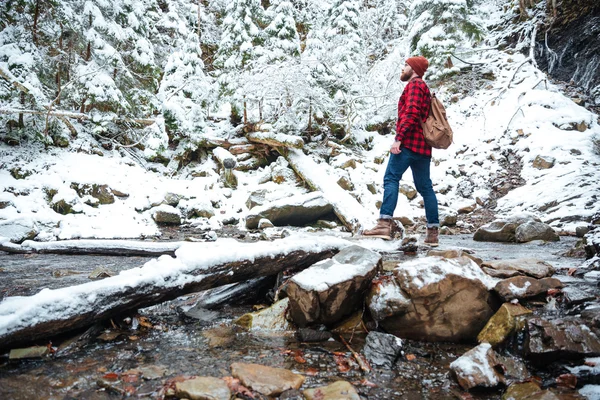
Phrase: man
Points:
(409, 150)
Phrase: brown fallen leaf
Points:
(410, 357)
(567, 380)
(129, 378)
(365, 382)
(129, 390)
(554, 292)
(236, 387)
(311, 371)
(112, 376)
(145, 322)
(342, 362)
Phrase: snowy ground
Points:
(518, 110)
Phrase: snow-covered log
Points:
(242, 148)
(104, 247)
(276, 139)
(319, 177)
(196, 267)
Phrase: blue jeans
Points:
(419, 164)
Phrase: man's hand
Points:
(395, 149)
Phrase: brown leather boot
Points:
(432, 237)
(383, 229)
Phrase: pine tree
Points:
(341, 62)
(437, 28)
(282, 40)
(23, 65)
(382, 24)
(184, 92)
(240, 44)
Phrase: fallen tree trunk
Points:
(124, 248)
(276, 139)
(24, 320)
(352, 214)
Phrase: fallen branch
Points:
(362, 363)
(75, 115)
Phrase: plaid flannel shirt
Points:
(413, 106)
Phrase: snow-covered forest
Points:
(305, 67)
(161, 85)
(238, 140)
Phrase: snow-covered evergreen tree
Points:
(240, 44)
(340, 61)
(382, 25)
(437, 28)
(24, 67)
(184, 93)
(282, 42)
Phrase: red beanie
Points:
(419, 64)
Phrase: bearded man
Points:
(409, 150)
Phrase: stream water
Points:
(140, 354)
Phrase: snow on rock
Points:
(475, 368)
(427, 270)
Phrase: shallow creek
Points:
(142, 354)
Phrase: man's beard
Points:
(404, 77)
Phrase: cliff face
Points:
(568, 44)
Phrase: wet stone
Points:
(292, 394)
(476, 368)
(502, 324)
(220, 336)
(340, 390)
(203, 388)
(312, 335)
(266, 380)
(382, 349)
(514, 369)
(523, 287)
(529, 391)
(271, 319)
(100, 273)
(522, 266)
(560, 338)
(574, 295)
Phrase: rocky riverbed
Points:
(146, 354)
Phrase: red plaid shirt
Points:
(413, 106)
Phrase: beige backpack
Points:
(436, 129)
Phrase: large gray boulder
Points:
(296, 211)
(450, 300)
(533, 230)
(504, 230)
(333, 288)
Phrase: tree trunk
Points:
(36, 16)
(21, 118)
(55, 318)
